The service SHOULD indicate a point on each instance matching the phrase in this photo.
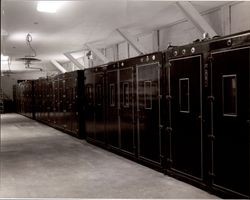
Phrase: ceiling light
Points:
(49, 6)
(4, 58)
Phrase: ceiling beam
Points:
(58, 66)
(132, 41)
(98, 53)
(77, 64)
(196, 18)
(76, 51)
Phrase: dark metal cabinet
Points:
(95, 105)
(185, 111)
(61, 99)
(68, 100)
(25, 98)
(73, 103)
(69, 90)
(99, 106)
(230, 111)
(186, 116)
(122, 107)
(127, 126)
(89, 114)
(59, 102)
(207, 97)
(148, 105)
(186, 125)
(74, 107)
(112, 106)
(49, 101)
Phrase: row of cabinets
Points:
(184, 111)
(54, 101)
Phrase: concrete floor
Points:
(39, 161)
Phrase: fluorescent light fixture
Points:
(49, 6)
(4, 58)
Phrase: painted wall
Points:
(225, 20)
(123, 50)
(7, 81)
(240, 17)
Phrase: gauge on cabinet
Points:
(229, 42)
(183, 51)
(192, 50)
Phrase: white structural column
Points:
(226, 19)
(156, 40)
(77, 64)
(116, 52)
(58, 66)
(98, 53)
(132, 41)
(195, 17)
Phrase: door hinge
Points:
(169, 130)
(210, 98)
(212, 137)
(248, 122)
(210, 58)
(168, 64)
(211, 174)
(168, 97)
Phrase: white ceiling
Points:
(80, 22)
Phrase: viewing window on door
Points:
(184, 101)
(148, 94)
(229, 95)
(90, 92)
(112, 95)
(126, 94)
(99, 94)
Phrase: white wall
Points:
(96, 61)
(147, 42)
(7, 81)
(110, 53)
(225, 20)
(178, 34)
(228, 19)
(122, 50)
(240, 17)
(7, 85)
